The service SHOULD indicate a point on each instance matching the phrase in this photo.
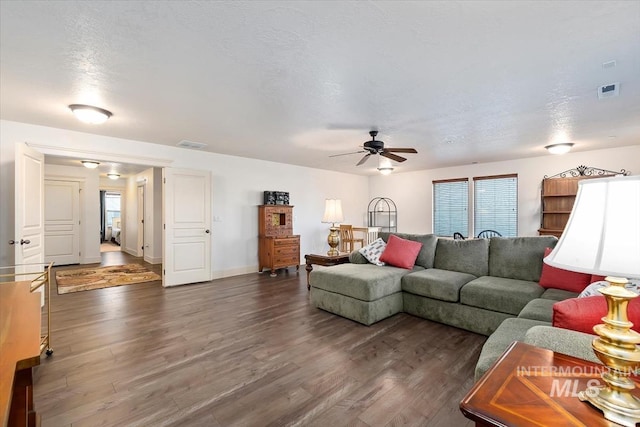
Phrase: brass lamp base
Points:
(333, 241)
(617, 348)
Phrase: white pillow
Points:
(593, 289)
(373, 251)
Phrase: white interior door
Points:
(29, 209)
(140, 219)
(62, 222)
(186, 252)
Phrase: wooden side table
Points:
(531, 386)
(323, 260)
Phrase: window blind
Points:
(451, 207)
(496, 204)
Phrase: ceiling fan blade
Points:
(401, 150)
(392, 156)
(346, 154)
(364, 159)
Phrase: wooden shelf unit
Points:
(558, 197)
(559, 194)
(278, 247)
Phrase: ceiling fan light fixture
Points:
(385, 170)
(90, 164)
(561, 148)
(90, 114)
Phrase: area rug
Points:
(86, 279)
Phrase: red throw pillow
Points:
(401, 252)
(596, 278)
(558, 278)
(582, 314)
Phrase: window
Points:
(496, 204)
(112, 207)
(451, 207)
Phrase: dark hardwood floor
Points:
(244, 351)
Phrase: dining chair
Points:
(485, 234)
(347, 240)
(458, 236)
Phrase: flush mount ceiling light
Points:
(90, 164)
(562, 148)
(386, 170)
(384, 166)
(113, 176)
(90, 114)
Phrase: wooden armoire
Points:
(278, 247)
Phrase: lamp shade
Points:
(332, 211)
(603, 232)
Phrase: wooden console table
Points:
(21, 342)
(323, 260)
(531, 386)
(19, 352)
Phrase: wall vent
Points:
(609, 90)
(191, 144)
(609, 64)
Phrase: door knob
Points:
(207, 231)
(12, 242)
(24, 242)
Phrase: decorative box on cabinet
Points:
(278, 246)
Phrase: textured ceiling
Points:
(296, 82)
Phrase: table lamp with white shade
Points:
(333, 215)
(603, 237)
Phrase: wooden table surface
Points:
(531, 386)
(19, 337)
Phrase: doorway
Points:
(140, 218)
(110, 221)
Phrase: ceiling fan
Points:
(377, 147)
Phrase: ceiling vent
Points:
(191, 144)
(609, 91)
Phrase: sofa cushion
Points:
(563, 341)
(365, 312)
(355, 257)
(366, 282)
(465, 256)
(435, 283)
(500, 294)
(538, 309)
(558, 294)
(509, 331)
(582, 314)
(518, 257)
(373, 251)
(553, 277)
(428, 250)
(400, 252)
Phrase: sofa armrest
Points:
(565, 341)
(356, 257)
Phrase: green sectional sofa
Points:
(487, 286)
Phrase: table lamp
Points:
(333, 215)
(603, 237)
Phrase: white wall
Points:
(237, 187)
(412, 191)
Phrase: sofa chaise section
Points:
(362, 292)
